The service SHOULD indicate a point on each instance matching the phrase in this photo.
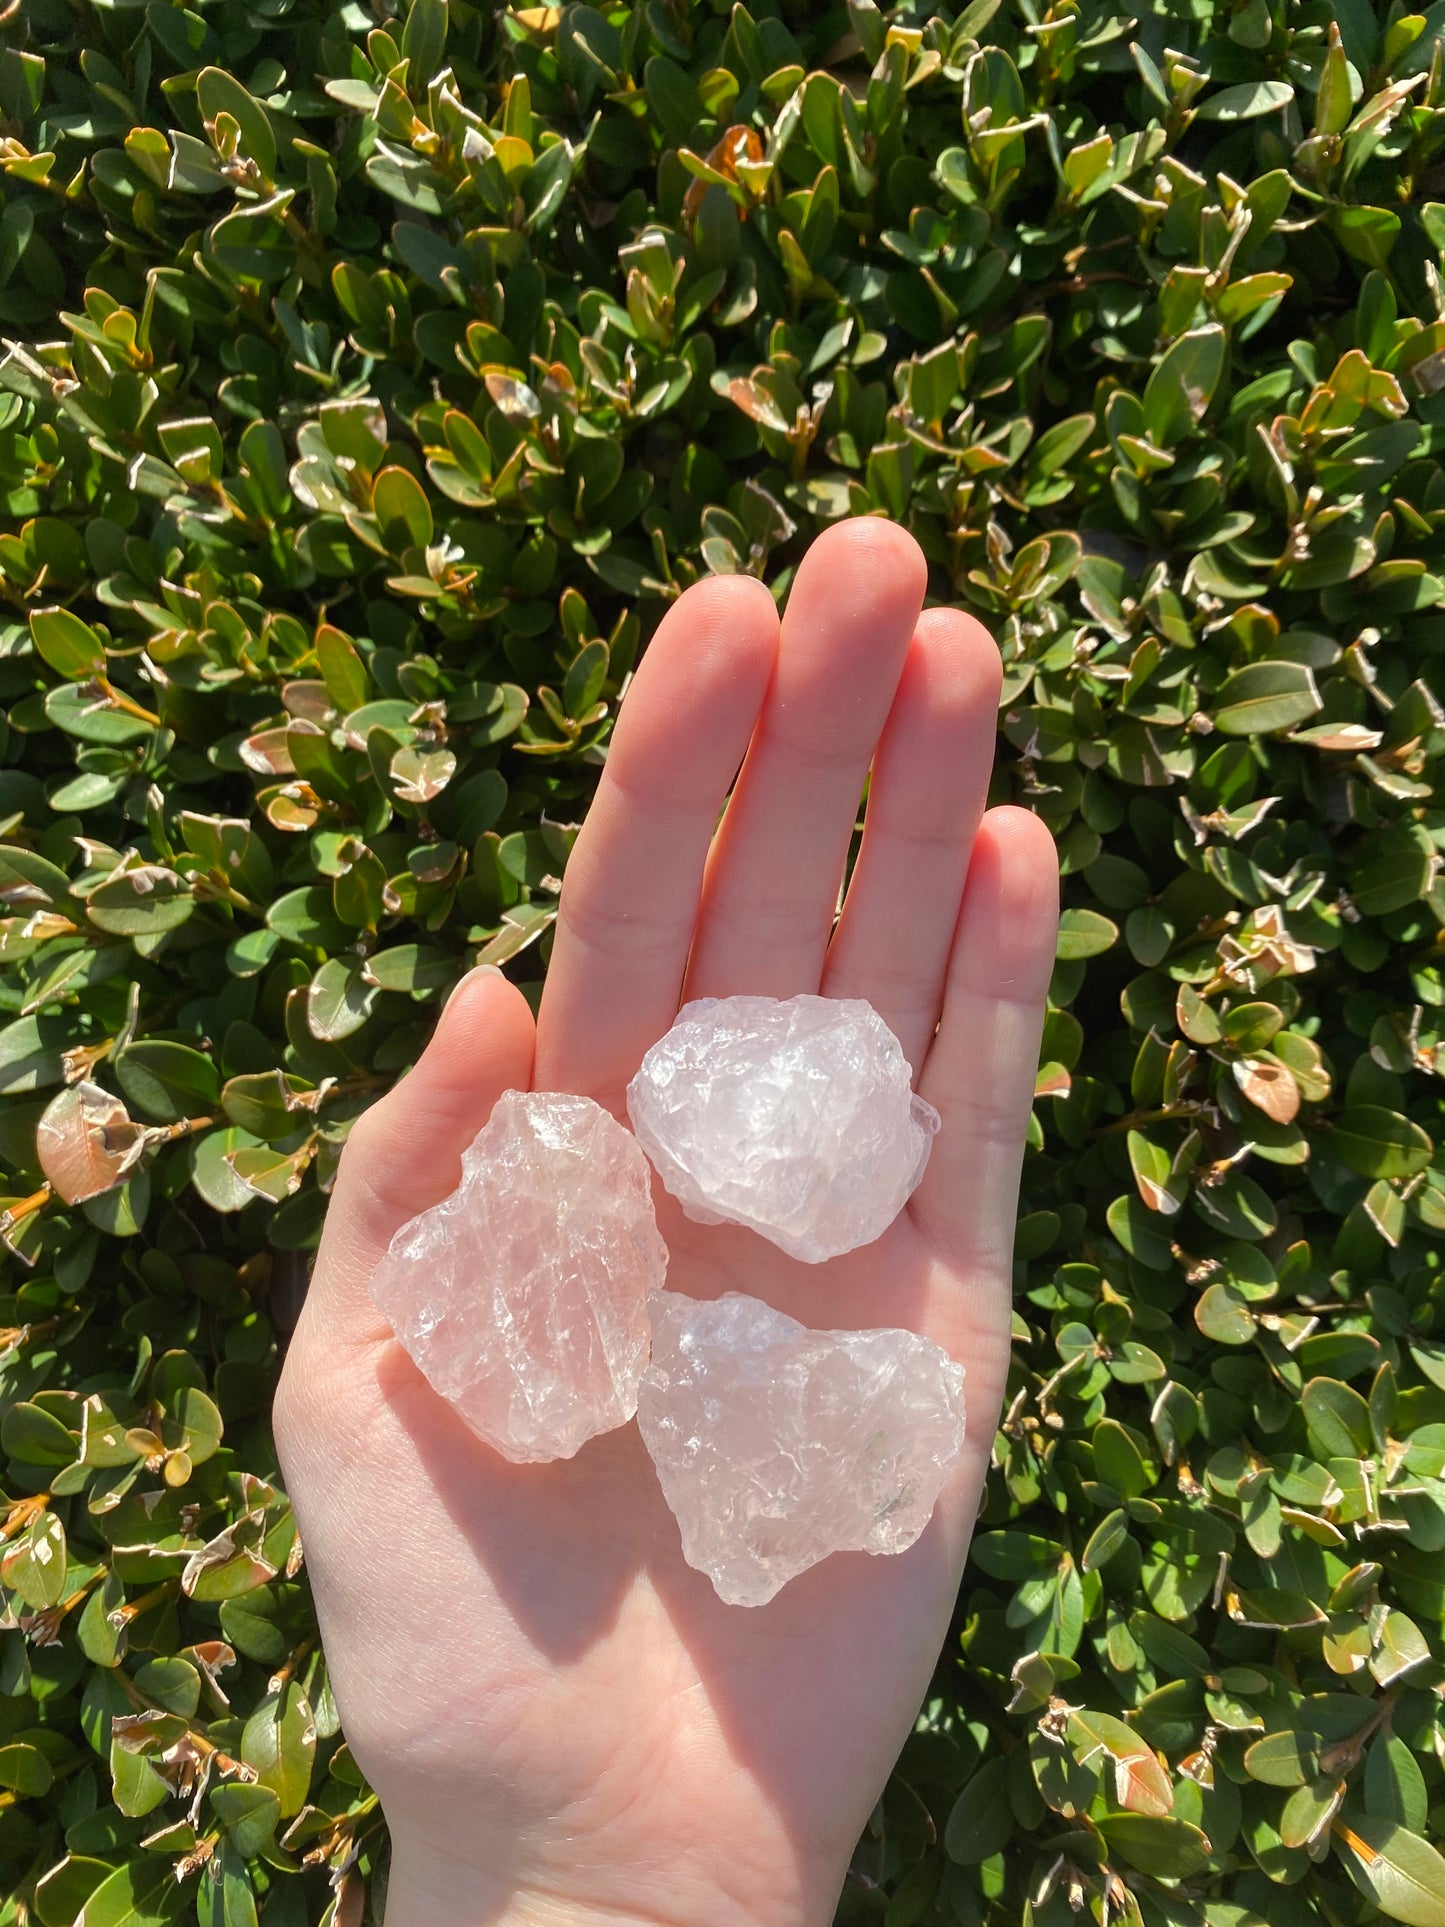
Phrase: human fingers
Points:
(405, 1152)
(777, 863)
(925, 799)
(630, 900)
(981, 1069)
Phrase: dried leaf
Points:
(87, 1142)
(1269, 1086)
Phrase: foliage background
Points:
(373, 383)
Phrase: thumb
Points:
(405, 1153)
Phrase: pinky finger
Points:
(980, 1071)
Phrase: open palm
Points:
(561, 1719)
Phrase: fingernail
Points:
(474, 975)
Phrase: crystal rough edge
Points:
(795, 1117)
(523, 1296)
(776, 1445)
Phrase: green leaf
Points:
(270, 1171)
(400, 504)
(1118, 1460)
(226, 1897)
(1368, 233)
(36, 1437)
(1401, 1873)
(546, 185)
(75, 708)
(1285, 1758)
(1139, 1230)
(218, 92)
(1333, 103)
(1276, 1606)
(1338, 1418)
(494, 711)
(249, 1815)
(1237, 1206)
(1248, 100)
(1393, 871)
(1309, 1810)
(28, 882)
(1247, 295)
(424, 41)
(142, 1893)
(1015, 1555)
(1379, 1143)
(1157, 1844)
(1104, 1541)
(1252, 1027)
(586, 675)
(980, 1822)
(263, 1103)
(1403, 1648)
(70, 646)
(307, 917)
(1084, 933)
(1182, 385)
(280, 1743)
(171, 1683)
(409, 181)
(416, 968)
(1394, 1785)
(193, 1418)
(144, 901)
(342, 669)
(193, 447)
(1221, 1314)
(1265, 697)
(135, 1786)
(25, 1770)
(30, 1054)
(1161, 1188)
(34, 1565)
(267, 1623)
(166, 1082)
(339, 999)
(64, 1890)
(212, 1174)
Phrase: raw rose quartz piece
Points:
(523, 1296)
(777, 1445)
(794, 1117)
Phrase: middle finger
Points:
(777, 862)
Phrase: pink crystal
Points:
(795, 1117)
(523, 1296)
(777, 1445)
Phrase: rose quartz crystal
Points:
(794, 1117)
(777, 1445)
(523, 1296)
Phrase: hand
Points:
(562, 1721)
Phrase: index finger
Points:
(630, 899)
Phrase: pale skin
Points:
(562, 1721)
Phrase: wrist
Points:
(424, 1889)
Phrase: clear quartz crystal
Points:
(777, 1445)
(523, 1296)
(794, 1117)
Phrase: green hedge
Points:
(371, 390)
